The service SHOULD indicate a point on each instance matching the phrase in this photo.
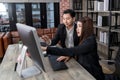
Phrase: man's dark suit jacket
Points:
(87, 55)
(61, 36)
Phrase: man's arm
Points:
(56, 38)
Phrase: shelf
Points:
(115, 48)
(98, 11)
(106, 28)
(101, 43)
(80, 10)
(104, 11)
(115, 30)
(37, 9)
(84, 11)
(115, 11)
(35, 14)
(106, 31)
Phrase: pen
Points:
(15, 66)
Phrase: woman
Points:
(86, 51)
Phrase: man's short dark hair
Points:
(69, 11)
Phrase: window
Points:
(4, 18)
(50, 15)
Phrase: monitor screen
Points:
(30, 39)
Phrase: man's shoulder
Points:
(75, 26)
(61, 26)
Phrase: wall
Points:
(64, 4)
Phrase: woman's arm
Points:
(87, 46)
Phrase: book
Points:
(101, 36)
(117, 4)
(103, 21)
(106, 5)
(105, 38)
(112, 4)
(95, 5)
(99, 21)
(100, 6)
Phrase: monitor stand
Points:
(21, 67)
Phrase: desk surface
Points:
(75, 71)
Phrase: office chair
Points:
(117, 65)
(116, 74)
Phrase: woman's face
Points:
(79, 28)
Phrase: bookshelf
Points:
(106, 18)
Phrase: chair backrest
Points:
(117, 63)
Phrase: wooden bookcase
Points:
(107, 34)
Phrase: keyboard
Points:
(43, 44)
(56, 66)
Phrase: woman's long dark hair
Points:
(87, 28)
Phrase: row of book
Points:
(103, 37)
(77, 4)
(98, 5)
(103, 21)
(105, 5)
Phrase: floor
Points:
(108, 68)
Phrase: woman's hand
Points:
(43, 48)
(63, 58)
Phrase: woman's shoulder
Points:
(91, 38)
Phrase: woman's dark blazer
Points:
(61, 36)
(87, 55)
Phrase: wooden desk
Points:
(75, 71)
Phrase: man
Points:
(66, 33)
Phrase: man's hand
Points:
(43, 48)
(63, 58)
(46, 39)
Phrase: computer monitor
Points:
(29, 37)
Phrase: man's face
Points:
(68, 20)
